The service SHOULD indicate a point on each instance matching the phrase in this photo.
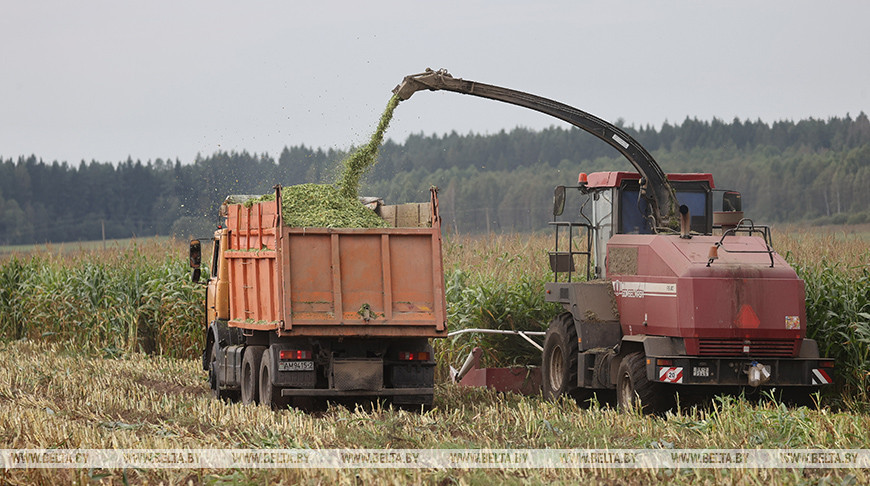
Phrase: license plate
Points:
(296, 366)
(701, 371)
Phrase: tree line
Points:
(810, 170)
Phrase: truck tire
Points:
(634, 389)
(559, 360)
(269, 395)
(211, 359)
(251, 374)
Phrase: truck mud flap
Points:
(356, 374)
(411, 376)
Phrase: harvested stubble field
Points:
(73, 375)
(56, 398)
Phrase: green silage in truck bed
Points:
(322, 206)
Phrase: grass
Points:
(53, 397)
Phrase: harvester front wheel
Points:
(251, 374)
(559, 361)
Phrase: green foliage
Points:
(132, 301)
(478, 301)
(787, 171)
(838, 311)
(12, 277)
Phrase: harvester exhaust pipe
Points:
(685, 222)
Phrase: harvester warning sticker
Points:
(792, 322)
(821, 377)
(671, 375)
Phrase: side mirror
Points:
(731, 201)
(195, 259)
(559, 200)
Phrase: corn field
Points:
(140, 299)
(837, 275)
(99, 351)
(129, 300)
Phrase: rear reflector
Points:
(747, 318)
(408, 356)
(664, 362)
(294, 354)
(821, 377)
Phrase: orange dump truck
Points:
(323, 312)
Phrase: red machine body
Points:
(738, 305)
(710, 305)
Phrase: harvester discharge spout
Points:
(429, 79)
(656, 189)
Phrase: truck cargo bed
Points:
(334, 281)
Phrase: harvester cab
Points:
(612, 203)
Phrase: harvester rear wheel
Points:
(559, 361)
(634, 389)
(251, 374)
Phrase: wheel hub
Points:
(556, 369)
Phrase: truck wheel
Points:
(269, 396)
(216, 391)
(213, 381)
(633, 389)
(251, 375)
(559, 361)
(211, 359)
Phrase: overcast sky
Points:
(104, 80)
